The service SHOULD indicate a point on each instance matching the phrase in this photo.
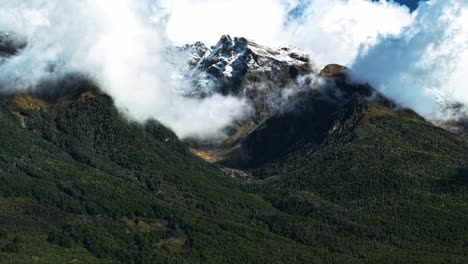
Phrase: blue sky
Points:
(297, 12)
(385, 45)
(412, 4)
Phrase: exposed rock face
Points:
(196, 51)
(294, 103)
(10, 44)
(317, 112)
(458, 124)
(237, 66)
(333, 71)
(186, 57)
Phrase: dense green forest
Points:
(79, 183)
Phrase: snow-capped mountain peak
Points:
(238, 66)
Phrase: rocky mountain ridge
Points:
(343, 175)
(10, 44)
(241, 67)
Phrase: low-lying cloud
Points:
(424, 66)
(118, 44)
(335, 31)
(332, 31)
(417, 58)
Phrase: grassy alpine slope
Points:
(80, 184)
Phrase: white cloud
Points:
(117, 44)
(331, 30)
(208, 20)
(424, 64)
(334, 31)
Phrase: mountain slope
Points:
(343, 175)
(367, 168)
(81, 177)
(241, 67)
(383, 174)
(82, 184)
(395, 181)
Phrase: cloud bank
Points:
(417, 58)
(335, 31)
(424, 66)
(332, 31)
(119, 44)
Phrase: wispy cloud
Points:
(413, 57)
(119, 44)
(425, 65)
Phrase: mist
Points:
(424, 66)
(332, 31)
(418, 58)
(119, 45)
(335, 31)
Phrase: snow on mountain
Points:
(238, 64)
(240, 67)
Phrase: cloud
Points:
(331, 30)
(425, 66)
(207, 20)
(334, 31)
(415, 58)
(119, 44)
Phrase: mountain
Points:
(237, 66)
(81, 184)
(10, 44)
(341, 174)
(315, 117)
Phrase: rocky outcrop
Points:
(10, 44)
(238, 64)
(241, 67)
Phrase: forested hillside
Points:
(81, 184)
